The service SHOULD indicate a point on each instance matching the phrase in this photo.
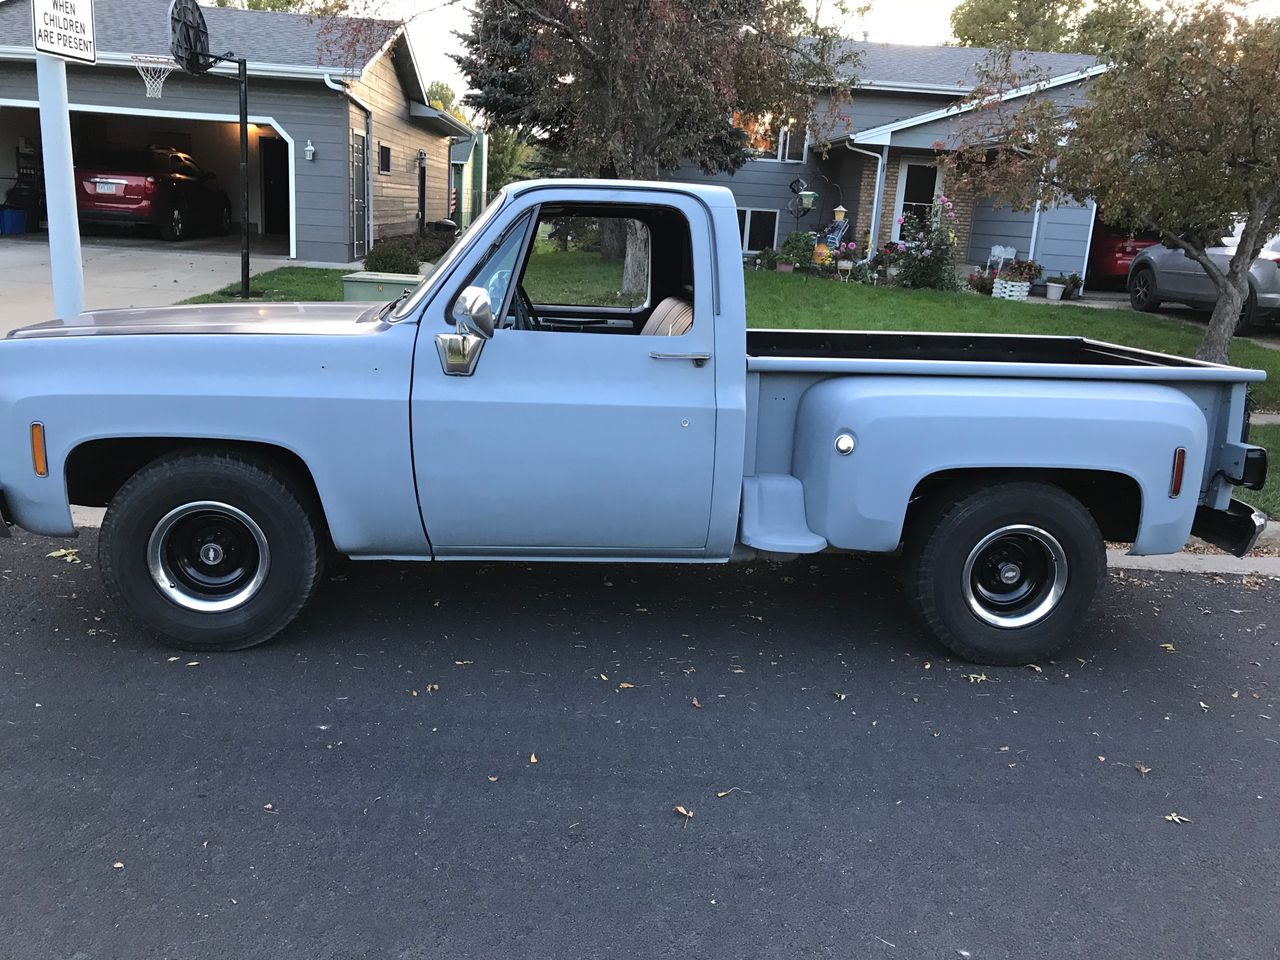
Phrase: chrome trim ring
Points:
(208, 556)
(1015, 576)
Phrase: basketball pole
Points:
(60, 187)
(242, 68)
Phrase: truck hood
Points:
(299, 319)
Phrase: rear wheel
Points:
(1142, 290)
(1004, 574)
(210, 552)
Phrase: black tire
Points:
(1143, 295)
(962, 603)
(174, 224)
(165, 523)
(1248, 314)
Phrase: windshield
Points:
(415, 298)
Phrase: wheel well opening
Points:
(1113, 499)
(97, 469)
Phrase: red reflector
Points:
(1179, 463)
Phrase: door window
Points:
(920, 184)
(584, 262)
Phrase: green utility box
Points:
(377, 286)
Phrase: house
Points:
(343, 146)
(469, 160)
(882, 160)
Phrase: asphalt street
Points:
(365, 786)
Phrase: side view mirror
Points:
(473, 312)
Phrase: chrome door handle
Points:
(699, 359)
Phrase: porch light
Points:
(839, 212)
(309, 151)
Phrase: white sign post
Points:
(61, 30)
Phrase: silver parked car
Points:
(1160, 273)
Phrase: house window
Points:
(384, 158)
(758, 229)
(770, 138)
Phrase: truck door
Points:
(588, 424)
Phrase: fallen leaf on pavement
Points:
(70, 556)
(684, 812)
(1142, 768)
(493, 779)
(118, 865)
(533, 758)
(1204, 706)
(724, 793)
(1167, 647)
(626, 686)
(842, 696)
(1176, 818)
(463, 663)
(603, 677)
(270, 808)
(433, 687)
(696, 704)
(737, 670)
(976, 677)
(194, 663)
(1035, 667)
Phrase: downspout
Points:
(882, 161)
(368, 144)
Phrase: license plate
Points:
(106, 187)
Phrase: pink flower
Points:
(901, 221)
(951, 215)
(902, 248)
(943, 199)
(927, 251)
(948, 204)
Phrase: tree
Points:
(1181, 135)
(1064, 26)
(509, 156)
(441, 96)
(315, 7)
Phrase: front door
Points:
(359, 195)
(588, 427)
(274, 156)
(918, 184)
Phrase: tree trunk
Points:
(1216, 345)
(613, 238)
(635, 271)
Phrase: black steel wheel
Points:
(1004, 574)
(1142, 290)
(211, 551)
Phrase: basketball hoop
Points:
(154, 70)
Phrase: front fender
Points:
(909, 428)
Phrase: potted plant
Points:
(1073, 287)
(768, 258)
(1055, 287)
(797, 250)
(1014, 281)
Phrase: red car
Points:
(156, 186)
(1111, 251)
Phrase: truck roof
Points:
(711, 195)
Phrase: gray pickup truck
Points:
(515, 406)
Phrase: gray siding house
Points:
(343, 148)
(883, 160)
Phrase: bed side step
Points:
(773, 516)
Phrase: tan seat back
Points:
(671, 318)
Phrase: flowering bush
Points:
(982, 281)
(1021, 271)
(798, 248)
(833, 255)
(926, 253)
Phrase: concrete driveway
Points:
(119, 271)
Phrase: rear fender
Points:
(907, 429)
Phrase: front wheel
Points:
(210, 551)
(1004, 574)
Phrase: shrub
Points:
(926, 252)
(982, 281)
(768, 258)
(392, 256)
(798, 248)
(1022, 271)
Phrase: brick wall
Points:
(963, 200)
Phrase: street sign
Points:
(64, 29)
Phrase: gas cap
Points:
(845, 444)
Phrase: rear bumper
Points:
(1235, 529)
(139, 213)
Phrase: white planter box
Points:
(1011, 289)
(1054, 291)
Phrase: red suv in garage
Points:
(1112, 251)
(158, 186)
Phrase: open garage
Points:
(343, 148)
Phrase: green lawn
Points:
(283, 283)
